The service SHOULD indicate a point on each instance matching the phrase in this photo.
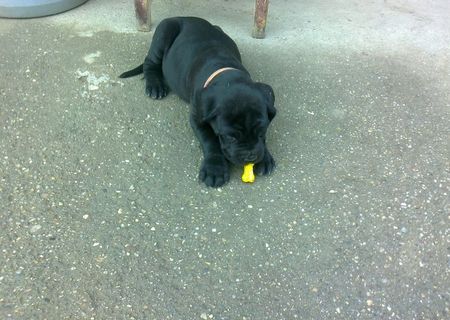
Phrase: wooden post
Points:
(261, 8)
(143, 14)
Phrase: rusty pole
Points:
(261, 8)
(143, 14)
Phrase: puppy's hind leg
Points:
(165, 34)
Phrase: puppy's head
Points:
(240, 116)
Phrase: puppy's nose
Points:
(250, 156)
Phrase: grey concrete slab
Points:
(102, 216)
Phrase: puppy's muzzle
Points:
(249, 156)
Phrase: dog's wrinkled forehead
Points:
(243, 108)
(245, 118)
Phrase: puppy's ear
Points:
(204, 105)
(269, 97)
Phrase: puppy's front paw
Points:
(214, 171)
(266, 166)
(156, 89)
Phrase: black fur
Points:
(231, 115)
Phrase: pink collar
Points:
(215, 73)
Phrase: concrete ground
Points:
(101, 213)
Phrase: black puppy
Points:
(230, 113)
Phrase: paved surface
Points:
(101, 213)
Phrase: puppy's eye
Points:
(228, 138)
(260, 131)
(262, 134)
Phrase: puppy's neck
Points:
(215, 74)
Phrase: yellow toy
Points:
(248, 175)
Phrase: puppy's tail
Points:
(133, 72)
